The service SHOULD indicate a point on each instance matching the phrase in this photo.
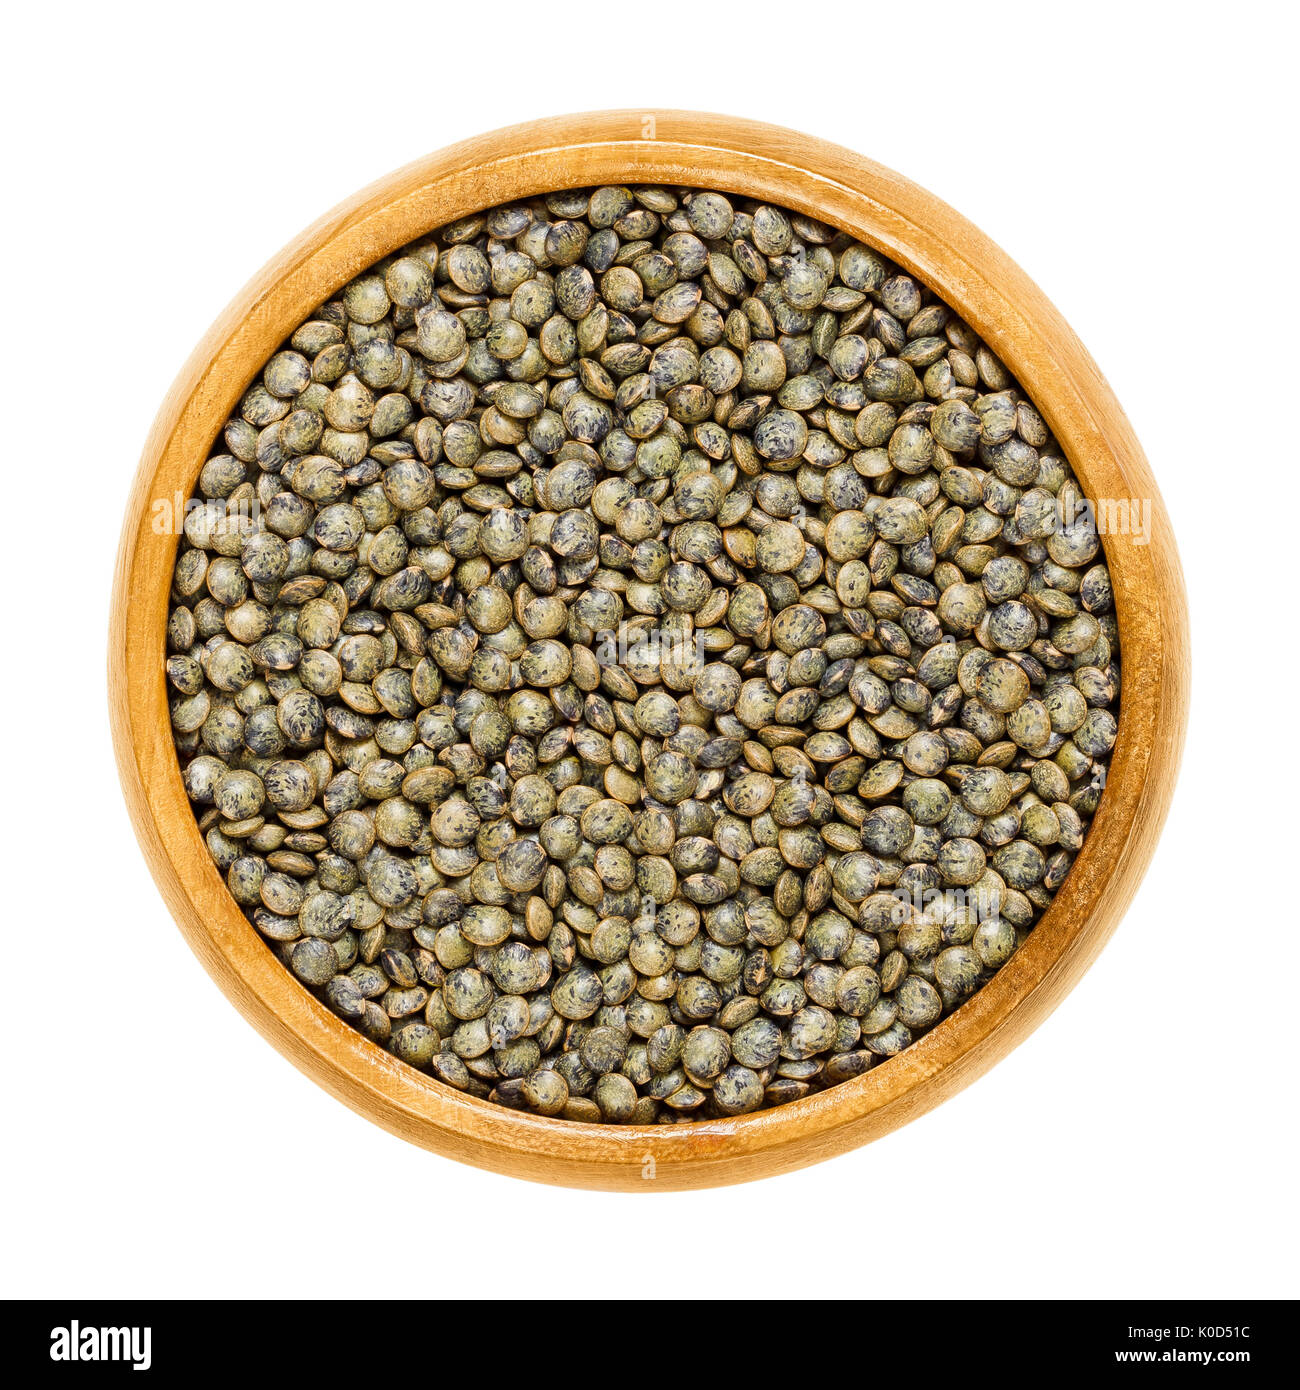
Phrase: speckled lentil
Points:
(642, 657)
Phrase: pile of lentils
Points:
(640, 657)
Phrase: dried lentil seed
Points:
(656, 595)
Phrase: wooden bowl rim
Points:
(1009, 312)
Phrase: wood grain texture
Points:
(1014, 318)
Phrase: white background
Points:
(1138, 161)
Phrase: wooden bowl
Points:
(1008, 311)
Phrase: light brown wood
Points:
(1018, 322)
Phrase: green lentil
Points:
(665, 669)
